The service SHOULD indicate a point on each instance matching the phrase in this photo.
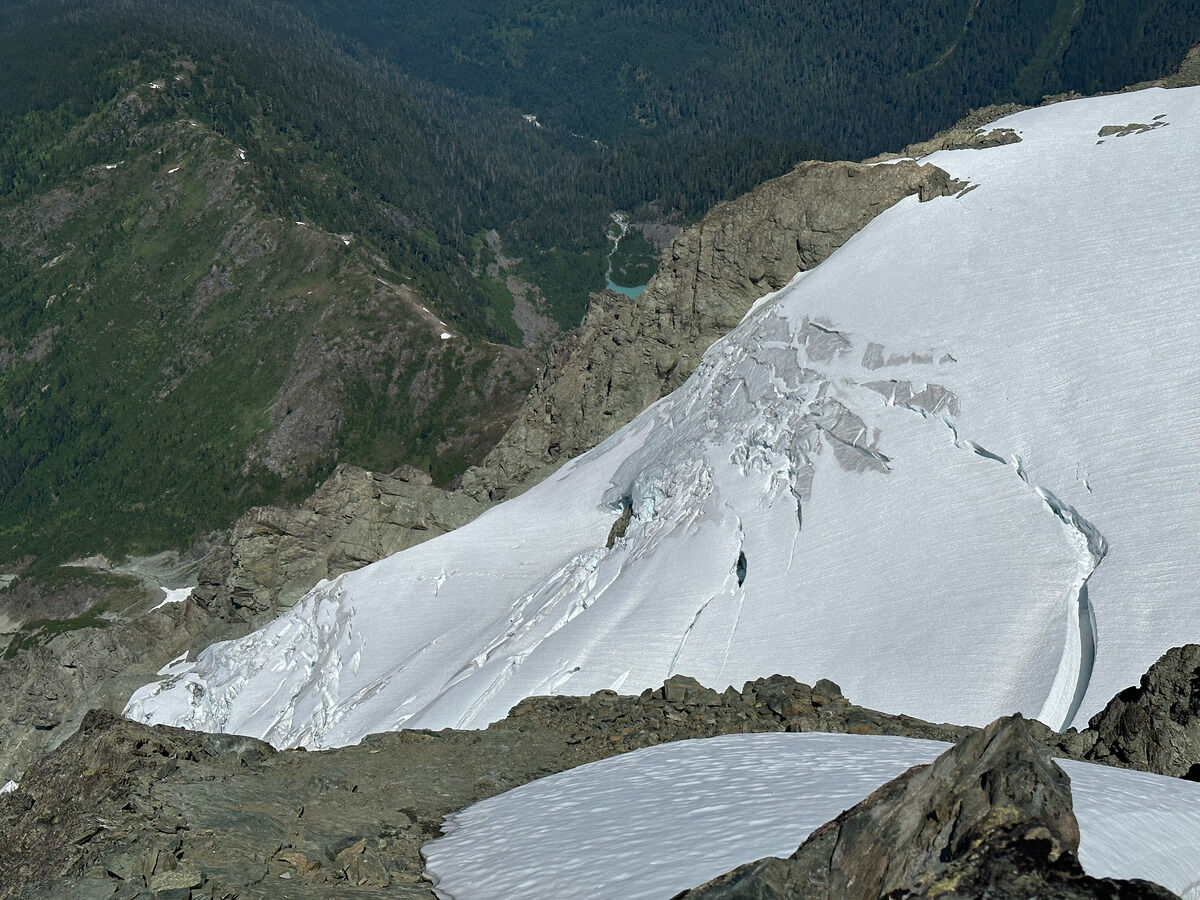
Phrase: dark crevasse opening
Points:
(741, 569)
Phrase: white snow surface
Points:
(952, 468)
(174, 595)
(657, 821)
(9, 787)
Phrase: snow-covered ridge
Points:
(657, 821)
(949, 468)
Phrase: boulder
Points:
(1154, 726)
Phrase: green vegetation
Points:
(175, 348)
(500, 305)
(634, 261)
(42, 631)
(568, 275)
(847, 76)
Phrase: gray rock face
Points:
(1156, 725)
(970, 133)
(47, 689)
(629, 353)
(274, 556)
(990, 817)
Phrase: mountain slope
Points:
(928, 448)
(177, 343)
(849, 76)
(173, 352)
(419, 173)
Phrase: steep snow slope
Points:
(657, 821)
(951, 468)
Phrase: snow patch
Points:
(656, 821)
(173, 595)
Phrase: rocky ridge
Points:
(122, 809)
(355, 517)
(626, 355)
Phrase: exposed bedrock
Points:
(123, 808)
(1154, 726)
(47, 689)
(990, 817)
(120, 805)
(275, 555)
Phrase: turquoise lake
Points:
(631, 292)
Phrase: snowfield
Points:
(657, 821)
(952, 468)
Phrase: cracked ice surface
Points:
(656, 821)
(950, 468)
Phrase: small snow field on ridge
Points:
(664, 819)
(947, 469)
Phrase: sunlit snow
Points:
(660, 820)
(951, 469)
(174, 595)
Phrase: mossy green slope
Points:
(172, 352)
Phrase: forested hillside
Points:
(851, 78)
(175, 346)
(205, 303)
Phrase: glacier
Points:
(951, 468)
(658, 821)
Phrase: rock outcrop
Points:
(120, 805)
(990, 817)
(274, 556)
(970, 133)
(47, 689)
(1155, 726)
